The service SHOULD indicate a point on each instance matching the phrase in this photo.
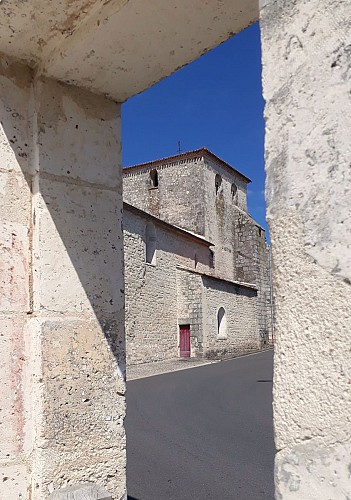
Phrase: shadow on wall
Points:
(76, 220)
(76, 251)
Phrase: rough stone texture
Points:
(173, 291)
(61, 316)
(13, 476)
(314, 471)
(151, 290)
(240, 247)
(306, 76)
(306, 53)
(88, 491)
(190, 308)
(219, 216)
(118, 47)
(170, 201)
(240, 251)
(15, 299)
(239, 303)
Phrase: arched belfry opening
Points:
(154, 178)
(218, 182)
(234, 192)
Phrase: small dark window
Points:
(212, 259)
(218, 182)
(154, 178)
(234, 190)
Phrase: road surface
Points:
(202, 433)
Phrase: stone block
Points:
(74, 128)
(315, 471)
(83, 406)
(88, 491)
(12, 361)
(15, 140)
(83, 370)
(80, 249)
(14, 268)
(14, 481)
(15, 198)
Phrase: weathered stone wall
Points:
(187, 196)
(190, 307)
(306, 82)
(240, 305)
(61, 317)
(221, 218)
(179, 197)
(245, 247)
(170, 292)
(151, 290)
(239, 242)
(251, 260)
(185, 189)
(265, 306)
(15, 298)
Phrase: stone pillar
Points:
(62, 299)
(307, 88)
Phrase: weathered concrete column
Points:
(306, 77)
(62, 321)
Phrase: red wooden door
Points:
(184, 341)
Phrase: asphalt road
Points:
(202, 433)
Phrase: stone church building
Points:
(196, 264)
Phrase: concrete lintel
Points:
(118, 48)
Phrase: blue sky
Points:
(214, 102)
